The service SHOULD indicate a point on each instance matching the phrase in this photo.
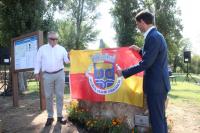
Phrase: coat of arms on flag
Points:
(101, 74)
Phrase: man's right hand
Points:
(119, 70)
(37, 77)
(135, 47)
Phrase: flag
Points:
(93, 76)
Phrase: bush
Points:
(83, 118)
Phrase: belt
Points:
(54, 71)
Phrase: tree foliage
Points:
(67, 34)
(195, 65)
(178, 57)
(81, 16)
(167, 22)
(66, 31)
(124, 24)
(21, 16)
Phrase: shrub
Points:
(83, 118)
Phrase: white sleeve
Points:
(66, 58)
(38, 62)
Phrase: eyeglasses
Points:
(53, 39)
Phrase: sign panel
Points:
(25, 51)
(142, 120)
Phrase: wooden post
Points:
(41, 84)
(14, 85)
(42, 96)
(15, 89)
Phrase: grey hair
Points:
(52, 32)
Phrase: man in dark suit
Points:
(154, 63)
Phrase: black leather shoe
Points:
(62, 120)
(49, 122)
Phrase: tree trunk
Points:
(22, 81)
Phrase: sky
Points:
(190, 20)
(105, 25)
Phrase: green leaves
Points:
(168, 23)
(20, 17)
(67, 34)
(124, 24)
(166, 19)
(78, 29)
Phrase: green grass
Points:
(184, 91)
(67, 91)
(33, 89)
(181, 91)
(181, 77)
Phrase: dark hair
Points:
(146, 16)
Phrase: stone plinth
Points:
(114, 110)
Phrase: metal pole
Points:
(5, 84)
(187, 73)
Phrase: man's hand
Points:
(37, 77)
(119, 70)
(135, 47)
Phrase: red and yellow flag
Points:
(93, 76)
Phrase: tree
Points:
(178, 58)
(124, 24)
(81, 16)
(66, 31)
(22, 16)
(139, 39)
(195, 64)
(68, 37)
(102, 44)
(167, 22)
(18, 17)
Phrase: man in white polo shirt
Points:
(50, 61)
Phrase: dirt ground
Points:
(185, 117)
(28, 118)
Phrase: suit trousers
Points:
(54, 83)
(156, 106)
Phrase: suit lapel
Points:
(148, 35)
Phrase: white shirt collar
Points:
(51, 46)
(147, 32)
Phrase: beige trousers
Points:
(54, 83)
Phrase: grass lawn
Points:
(183, 91)
(33, 89)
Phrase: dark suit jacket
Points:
(154, 63)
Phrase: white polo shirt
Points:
(50, 58)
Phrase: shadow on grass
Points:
(183, 98)
(181, 77)
(179, 98)
(186, 90)
(173, 96)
